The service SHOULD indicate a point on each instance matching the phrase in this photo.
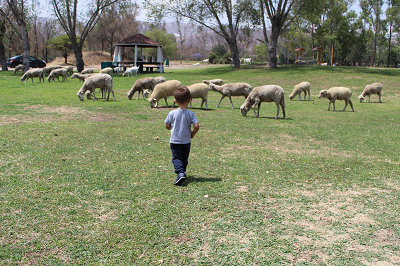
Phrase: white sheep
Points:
(145, 83)
(18, 68)
(199, 90)
(131, 71)
(81, 77)
(146, 93)
(70, 70)
(232, 89)
(218, 82)
(107, 70)
(87, 71)
(102, 81)
(299, 89)
(56, 73)
(267, 93)
(337, 93)
(163, 90)
(33, 73)
(374, 88)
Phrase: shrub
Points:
(211, 58)
(196, 57)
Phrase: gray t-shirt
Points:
(181, 121)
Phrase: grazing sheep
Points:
(163, 90)
(337, 93)
(33, 73)
(48, 69)
(81, 77)
(300, 88)
(102, 81)
(70, 70)
(199, 90)
(145, 83)
(232, 89)
(131, 71)
(56, 73)
(374, 88)
(146, 93)
(18, 68)
(267, 93)
(218, 82)
(107, 70)
(87, 71)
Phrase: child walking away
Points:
(180, 122)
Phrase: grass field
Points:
(92, 182)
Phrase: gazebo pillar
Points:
(160, 59)
(116, 54)
(135, 55)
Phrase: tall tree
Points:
(3, 61)
(66, 12)
(167, 40)
(280, 14)
(211, 14)
(19, 13)
(393, 19)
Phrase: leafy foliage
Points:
(168, 40)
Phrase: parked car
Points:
(33, 62)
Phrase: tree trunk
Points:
(78, 56)
(235, 54)
(3, 60)
(390, 43)
(26, 46)
(272, 46)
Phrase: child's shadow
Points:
(193, 179)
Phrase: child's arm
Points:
(196, 128)
(168, 126)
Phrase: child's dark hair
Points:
(182, 94)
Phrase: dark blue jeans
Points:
(180, 155)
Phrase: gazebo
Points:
(319, 51)
(139, 41)
(299, 55)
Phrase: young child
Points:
(179, 121)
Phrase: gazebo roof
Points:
(139, 40)
(300, 49)
(317, 48)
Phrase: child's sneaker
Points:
(179, 179)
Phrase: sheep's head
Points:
(22, 78)
(291, 96)
(153, 102)
(88, 95)
(130, 96)
(124, 74)
(146, 93)
(206, 82)
(81, 96)
(244, 109)
(323, 94)
(361, 98)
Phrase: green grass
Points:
(92, 182)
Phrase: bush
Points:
(211, 58)
(196, 57)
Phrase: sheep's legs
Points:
(230, 99)
(351, 105)
(379, 94)
(277, 110)
(220, 100)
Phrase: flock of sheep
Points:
(161, 89)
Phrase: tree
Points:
(280, 17)
(62, 45)
(210, 14)
(67, 15)
(393, 19)
(167, 40)
(20, 15)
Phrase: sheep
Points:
(131, 71)
(87, 71)
(232, 89)
(146, 93)
(218, 82)
(163, 90)
(81, 77)
(70, 70)
(267, 93)
(103, 81)
(33, 73)
(107, 70)
(48, 69)
(144, 83)
(300, 88)
(18, 68)
(337, 93)
(56, 73)
(374, 88)
(199, 90)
